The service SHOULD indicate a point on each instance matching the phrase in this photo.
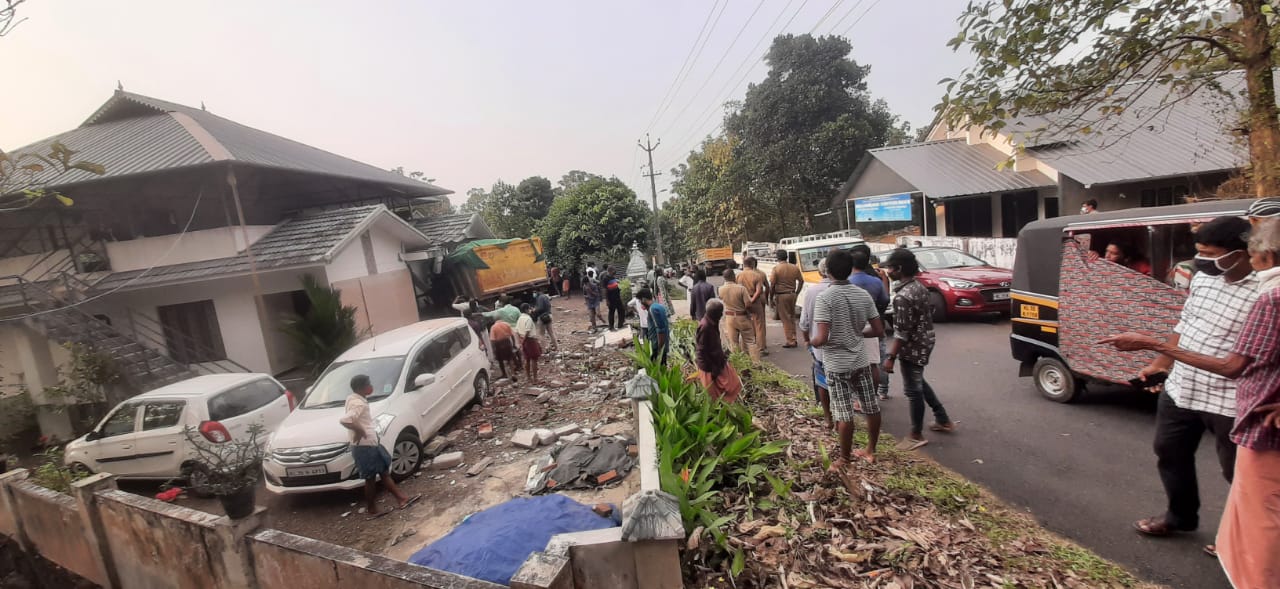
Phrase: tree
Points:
(512, 211)
(804, 128)
(597, 218)
(25, 177)
(713, 205)
(414, 175)
(476, 199)
(1127, 49)
(9, 16)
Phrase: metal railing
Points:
(153, 334)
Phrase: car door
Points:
(113, 450)
(460, 369)
(158, 444)
(427, 401)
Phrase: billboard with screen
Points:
(890, 207)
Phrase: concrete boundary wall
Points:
(997, 251)
(120, 540)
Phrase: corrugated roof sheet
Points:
(449, 229)
(943, 169)
(1155, 137)
(131, 134)
(299, 242)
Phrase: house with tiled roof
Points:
(188, 252)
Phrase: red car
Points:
(960, 284)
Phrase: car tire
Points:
(80, 469)
(406, 455)
(195, 474)
(939, 304)
(1055, 381)
(481, 388)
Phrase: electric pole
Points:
(648, 147)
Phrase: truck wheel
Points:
(1055, 381)
(939, 304)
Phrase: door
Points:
(158, 445)
(428, 401)
(114, 451)
(261, 402)
(458, 371)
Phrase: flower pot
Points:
(238, 505)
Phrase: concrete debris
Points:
(578, 386)
(404, 535)
(613, 429)
(603, 509)
(345, 514)
(437, 445)
(524, 438)
(565, 430)
(571, 438)
(605, 478)
(546, 437)
(545, 397)
(362, 510)
(484, 431)
(447, 461)
(479, 467)
(604, 384)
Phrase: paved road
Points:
(1085, 470)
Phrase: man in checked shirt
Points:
(1195, 400)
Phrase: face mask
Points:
(1212, 266)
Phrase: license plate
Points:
(306, 471)
(999, 296)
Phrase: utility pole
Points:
(648, 147)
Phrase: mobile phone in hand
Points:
(1152, 380)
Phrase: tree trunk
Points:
(1263, 116)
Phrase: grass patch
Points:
(950, 494)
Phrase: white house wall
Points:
(386, 253)
(193, 246)
(348, 264)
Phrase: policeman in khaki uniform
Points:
(757, 285)
(738, 328)
(786, 279)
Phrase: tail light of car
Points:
(215, 432)
(293, 401)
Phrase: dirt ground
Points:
(585, 387)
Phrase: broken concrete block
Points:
(437, 445)
(545, 397)
(446, 461)
(565, 430)
(607, 477)
(484, 431)
(524, 438)
(479, 467)
(578, 386)
(571, 438)
(604, 384)
(545, 436)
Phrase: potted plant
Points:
(229, 470)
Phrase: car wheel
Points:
(197, 480)
(79, 469)
(939, 304)
(406, 456)
(1055, 381)
(481, 388)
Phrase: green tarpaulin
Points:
(466, 255)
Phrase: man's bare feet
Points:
(865, 455)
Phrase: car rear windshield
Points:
(335, 384)
(243, 399)
(943, 259)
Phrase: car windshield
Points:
(943, 259)
(809, 258)
(335, 384)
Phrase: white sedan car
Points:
(145, 438)
(422, 375)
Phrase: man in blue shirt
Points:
(659, 325)
(701, 292)
(866, 277)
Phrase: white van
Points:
(145, 438)
(422, 375)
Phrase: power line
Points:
(185, 228)
(859, 19)
(834, 6)
(846, 15)
(680, 72)
(716, 67)
(696, 55)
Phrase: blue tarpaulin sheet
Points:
(492, 544)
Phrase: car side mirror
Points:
(93, 435)
(424, 380)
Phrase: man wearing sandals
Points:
(843, 315)
(372, 460)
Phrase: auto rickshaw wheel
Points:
(1055, 381)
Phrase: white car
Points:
(422, 375)
(145, 436)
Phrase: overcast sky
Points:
(468, 92)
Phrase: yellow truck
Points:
(715, 259)
(487, 268)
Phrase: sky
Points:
(467, 92)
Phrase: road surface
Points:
(1086, 470)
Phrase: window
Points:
(969, 217)
(433, 356)
(162, 414)
(1164, 196)
(121, 422)
(1017, 209)
(191, 332)
(242, 399)
(461, 339)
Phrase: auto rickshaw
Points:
(1066, 296)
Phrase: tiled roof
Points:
(452, 229)
(942, 169)
(134, 134)
(300, 242)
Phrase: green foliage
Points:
(624, 288)
(25, 177)
(326, 330)
(512, 211)
(593, 218)
(1089, 61)
(52, 475)
(226, 468)
(17, 417)
(88, 379)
